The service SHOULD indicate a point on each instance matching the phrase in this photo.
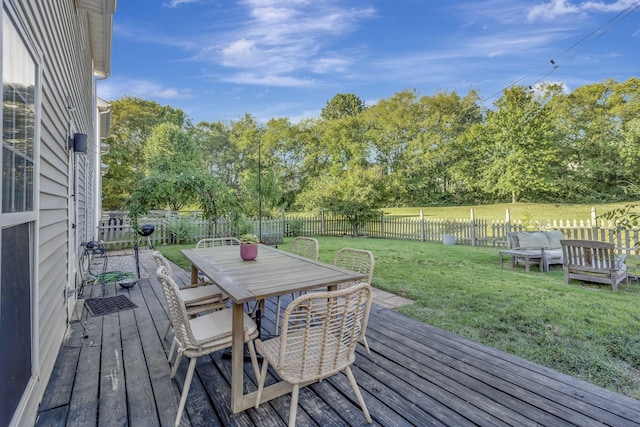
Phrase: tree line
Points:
(535, 144)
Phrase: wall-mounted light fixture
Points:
(78, 143)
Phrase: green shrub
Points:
(181, 229)
(295, 226)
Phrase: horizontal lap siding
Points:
(57, 30)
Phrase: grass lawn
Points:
(519, 211)
(583, 330)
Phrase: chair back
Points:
(305, 246)
(217, 241)
(589, 254)
(321, 332)
(161, 261)
(358, 260)
(177, 311)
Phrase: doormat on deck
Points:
(102, 306)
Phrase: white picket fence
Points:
(116, 232)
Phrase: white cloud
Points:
(117, 87)
(174, 3)
(558, 8)
(267, 79)
(287, 37)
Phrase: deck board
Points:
(416, 375)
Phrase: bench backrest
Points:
(589, 255)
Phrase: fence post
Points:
(507, 227)
(382, 225)
(284, 223)
(422, 225)
(594, 224)
(473, 228)
(322, 228)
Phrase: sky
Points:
(218, 60)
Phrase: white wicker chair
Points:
(217, 241)
(359, 260)
(312, 347)
(213, 242)
(198, 298)
(307, 247)
(201, 335)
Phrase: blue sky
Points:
(218, 60)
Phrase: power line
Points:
(555, 64)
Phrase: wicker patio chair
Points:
(312, 348)
(212, 242)
(359, 260)
(201, 335)
(198, 298)
(307, 247)
(217, 241)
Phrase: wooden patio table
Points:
(272, 273)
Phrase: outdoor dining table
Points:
(272, 273)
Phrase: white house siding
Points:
(59, 32)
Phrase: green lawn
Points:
(583, 330)
(519, 211)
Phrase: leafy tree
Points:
(283, 156)
(354, 194)
(220, 156)
(521, 154)
(217, 201)
(342, 105)
(171, 150)
(344, 144)
(393, 127)
(246, 135)
(447, 118)
(593, 141)
(175, 191)
(133, 120)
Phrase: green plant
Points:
(244, 226)
(248, 238)
(181, 228)
(295, 226)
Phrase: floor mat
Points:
(102, 306)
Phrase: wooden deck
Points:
(416, 375)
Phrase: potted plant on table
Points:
(248, 246)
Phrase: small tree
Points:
(356, 195)
(161, 191)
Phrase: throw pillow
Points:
(534, 240)
(554, 238)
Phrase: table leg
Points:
(237, 358)
(194, 274)
(527, 261)
(501, 260)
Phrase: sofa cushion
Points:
(533, 240)
(554, 256)
(554, 238)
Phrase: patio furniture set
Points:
(585, 260)
(319, 331)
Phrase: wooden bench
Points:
(592, 261)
